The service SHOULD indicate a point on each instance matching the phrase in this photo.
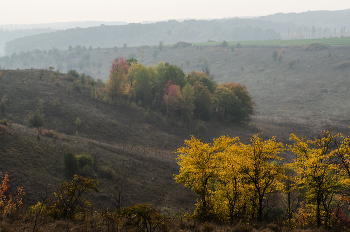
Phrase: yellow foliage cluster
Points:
(234, 181)
(231, 178)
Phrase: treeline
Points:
(136, 34)
(8, 35)
(321, 18)
(242, 182)
(165, 88)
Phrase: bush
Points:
(224, 44)
(3, 122)
(181, 45)
(291, 62)
(83, 78)
(36, 119)
(238, 45)
(73, 73)
(85, 160)
(274, 55)
(107, 172)
(70, 163)
(72, 198)
(77, 85)
(144, 217)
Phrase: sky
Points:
(49, 11)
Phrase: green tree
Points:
(131, 60)
(188, 101)
(204, 104)
(70, 163)
(236, 103)
(142, 82)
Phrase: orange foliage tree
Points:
(9, 203)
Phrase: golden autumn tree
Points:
(232, 179)
(199, 169)
(318, 179)
(261, 173)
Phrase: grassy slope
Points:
(118, 137)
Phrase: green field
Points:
(296, 42)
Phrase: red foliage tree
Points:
(172, 97)
(119, 62)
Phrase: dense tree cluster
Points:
(166, 88)
(236, 181)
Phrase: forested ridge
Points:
(137, 34)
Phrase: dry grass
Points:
(315, 47)
(342, 65)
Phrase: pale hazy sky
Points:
(48, 11)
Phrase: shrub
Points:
(224, 44)
(107, 172)
(77, 85)
(36, 119)
(0, 74)
(3, 122)
(291, 62)
(187, 62)
(85, 160)
(261, 69)
(73, 73)
(181, 45)
(83, 78)
(238, 45)
(144, 217)
(283, 50)
(70, 162)
(274, 55)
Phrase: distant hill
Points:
(136, 34)
(8, 35)
(59, 25)
(322, 18)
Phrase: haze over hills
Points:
(322, 18)
(311, 24)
